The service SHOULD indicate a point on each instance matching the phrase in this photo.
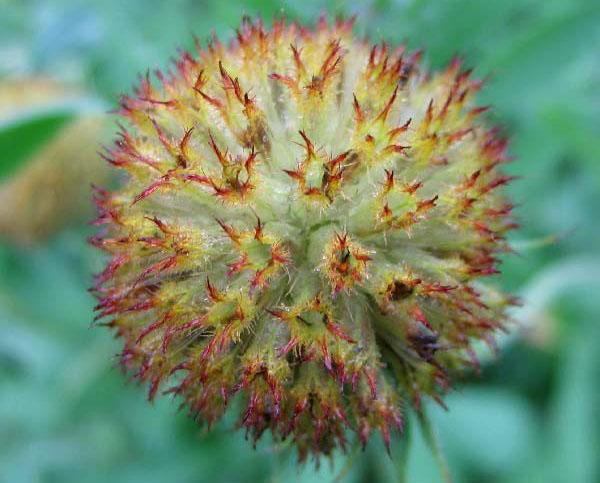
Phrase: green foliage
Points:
(20, 139)
(67, 414)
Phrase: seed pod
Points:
(304, 223)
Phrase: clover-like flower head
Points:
(304, 224)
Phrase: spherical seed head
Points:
(304, 225)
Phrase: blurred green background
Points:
(68, 415)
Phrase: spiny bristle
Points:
(304, 223)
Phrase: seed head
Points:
(304, 223)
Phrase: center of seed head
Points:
(259, 253)
(316, 239)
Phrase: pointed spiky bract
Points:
(304, 225)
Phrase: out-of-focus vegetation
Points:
(533, 415)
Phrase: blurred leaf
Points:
(32, 111)
(489, 429)
(564, 276)
(574, 415)
(54, 189)
(21, 139)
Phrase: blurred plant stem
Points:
(431, 438)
